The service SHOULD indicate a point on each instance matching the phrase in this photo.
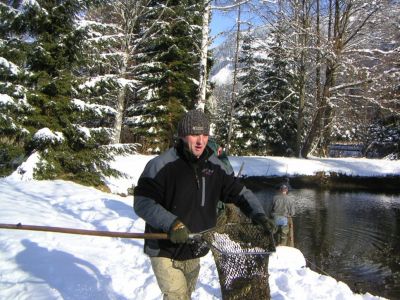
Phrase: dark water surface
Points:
(351, 236)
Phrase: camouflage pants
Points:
(176, 279)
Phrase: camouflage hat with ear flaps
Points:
(194, 122)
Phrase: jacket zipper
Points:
(203, 185)
(203, 191)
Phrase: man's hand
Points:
(178, 232)
(267, 224)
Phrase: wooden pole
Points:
(127, 235)
(291, 232)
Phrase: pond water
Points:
(351, 236)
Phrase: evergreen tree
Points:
(168, 71)
(383, 139)
(99, 72)
(267, 113)
(115, 35)
(52, 44)
(14, 106)
(280, 98)
(248, 137)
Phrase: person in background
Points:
(177, 193)
(282, 210)
(219, 152)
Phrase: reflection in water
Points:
(353, 237)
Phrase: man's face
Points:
(197, 143)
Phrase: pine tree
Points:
(248, 137)
(267, 104)
(280, 98)
(99, 72)
(168, 72)
(116, 33)
(14, 87)
(53, 122)
(383, 138)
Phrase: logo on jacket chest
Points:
(207, 172)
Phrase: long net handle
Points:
(128, 235)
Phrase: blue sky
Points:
(221, 22)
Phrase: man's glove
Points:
(178, 232)
(267, 224)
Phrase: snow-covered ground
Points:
(39, 265)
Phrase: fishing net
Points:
(241, 253)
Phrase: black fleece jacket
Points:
(176, 185)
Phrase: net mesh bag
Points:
(241, 253)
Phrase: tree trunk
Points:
(321, 120)
(234, 84)
(303, 41)
(201, 102)
(120, 107)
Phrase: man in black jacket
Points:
(178, 193)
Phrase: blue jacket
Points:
(176, 185)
